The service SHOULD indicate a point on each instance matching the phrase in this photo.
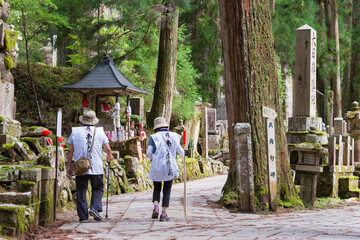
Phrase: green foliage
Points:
(287, 17)
(203, 22)
(185, 94)
(33, 18)
(49, 82)
(292, 14)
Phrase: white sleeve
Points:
(180, 150)
(149, 151)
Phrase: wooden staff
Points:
(184, 144)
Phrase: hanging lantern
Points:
(85, 103)
(128, 113)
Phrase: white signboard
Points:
(271, 153)
(58, 122)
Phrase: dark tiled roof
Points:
(106, 79)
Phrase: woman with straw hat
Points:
(162, 149)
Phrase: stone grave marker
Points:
(137, 106)
(211, 114)
(204, 132)
(305, 72)
(244, 167)
(270, 116)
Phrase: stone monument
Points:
(213, 133)
(305, 134)
(244, 167)
(50, 53)
(8, 59)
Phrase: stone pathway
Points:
(129, 218)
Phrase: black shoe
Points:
(84, 221)
(155, 214)
(95, 214)
(164, 218)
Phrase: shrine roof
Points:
(106, 79)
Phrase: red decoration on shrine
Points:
(85, 103)
(45, 132)
(60, 139)
(48, 141)
(62, 145)
(141, 126)
(133, 124)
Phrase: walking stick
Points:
(107, 188)
(184, 144)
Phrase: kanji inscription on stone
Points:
(270, 116)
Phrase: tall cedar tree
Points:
(332, 32)
(355, 57)
(251, 82)
(165, 76)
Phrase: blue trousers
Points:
(97, 191)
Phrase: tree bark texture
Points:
(355, 52)
(251, 82)
(332, 32)
(165, 76)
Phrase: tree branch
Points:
(142, 40)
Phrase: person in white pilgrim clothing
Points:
(162, 149)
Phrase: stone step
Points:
(14, 220)
(16, 197)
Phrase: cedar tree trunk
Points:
(332, 32)
(165, 76)
(355, 52)
(251, 82)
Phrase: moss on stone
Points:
(321, 133)
(299, 132)
(33, 128)
(9, 62)
(20, 213)
(230, 199)
(24, 186)
(8, 146)
(10, 39)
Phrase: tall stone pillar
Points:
(304, 88)
(244, 167)
(204, 132)
(305, 73)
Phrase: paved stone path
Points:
(129, 218)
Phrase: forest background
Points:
(129, 32)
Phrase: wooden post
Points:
(270, 116)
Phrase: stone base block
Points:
(306, 168)
(10, 127)
(297, 124)
(308, 183)
(4, 139)
(214, 141)
(348, 183)
(300, 137)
